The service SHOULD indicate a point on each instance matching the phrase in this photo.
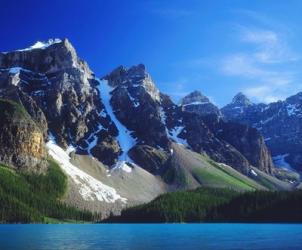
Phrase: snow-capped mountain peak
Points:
(196, 102)
(194, 98)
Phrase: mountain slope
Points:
(189, 170)
(34, 198)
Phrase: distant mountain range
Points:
(280, 123)
(121, 142)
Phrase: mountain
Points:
(118, 139)
(279, 123)
(248, 143)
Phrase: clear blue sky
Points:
(218, 47)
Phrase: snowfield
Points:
(90, 188)
(126, 141)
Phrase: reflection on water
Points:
(152, 236)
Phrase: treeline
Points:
(260, 206)
(28, 198)
(217, 205)
(179, 206)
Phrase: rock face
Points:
(21, 140)
(279, 123)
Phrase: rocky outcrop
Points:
(151, 159)
(106, 149)
(21, 140)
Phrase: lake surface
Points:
(152, 236)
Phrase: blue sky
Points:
(218, 47)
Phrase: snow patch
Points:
(196, 103)
(267, 120)
(123, 165)
(162, 115)
(173, 134)
(70, 149)
(103, 114)
(42, 45)
(15, 70)
(253, 172)
(292, 109)
(135, 102)
(90, 188)
(93, 139)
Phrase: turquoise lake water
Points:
(152, 236)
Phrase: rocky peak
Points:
(196, 102)
(134, 77)
(56, 81)
(46, 57)
(195, 97)
(240, 103)
(136, 103)
(241, 100)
